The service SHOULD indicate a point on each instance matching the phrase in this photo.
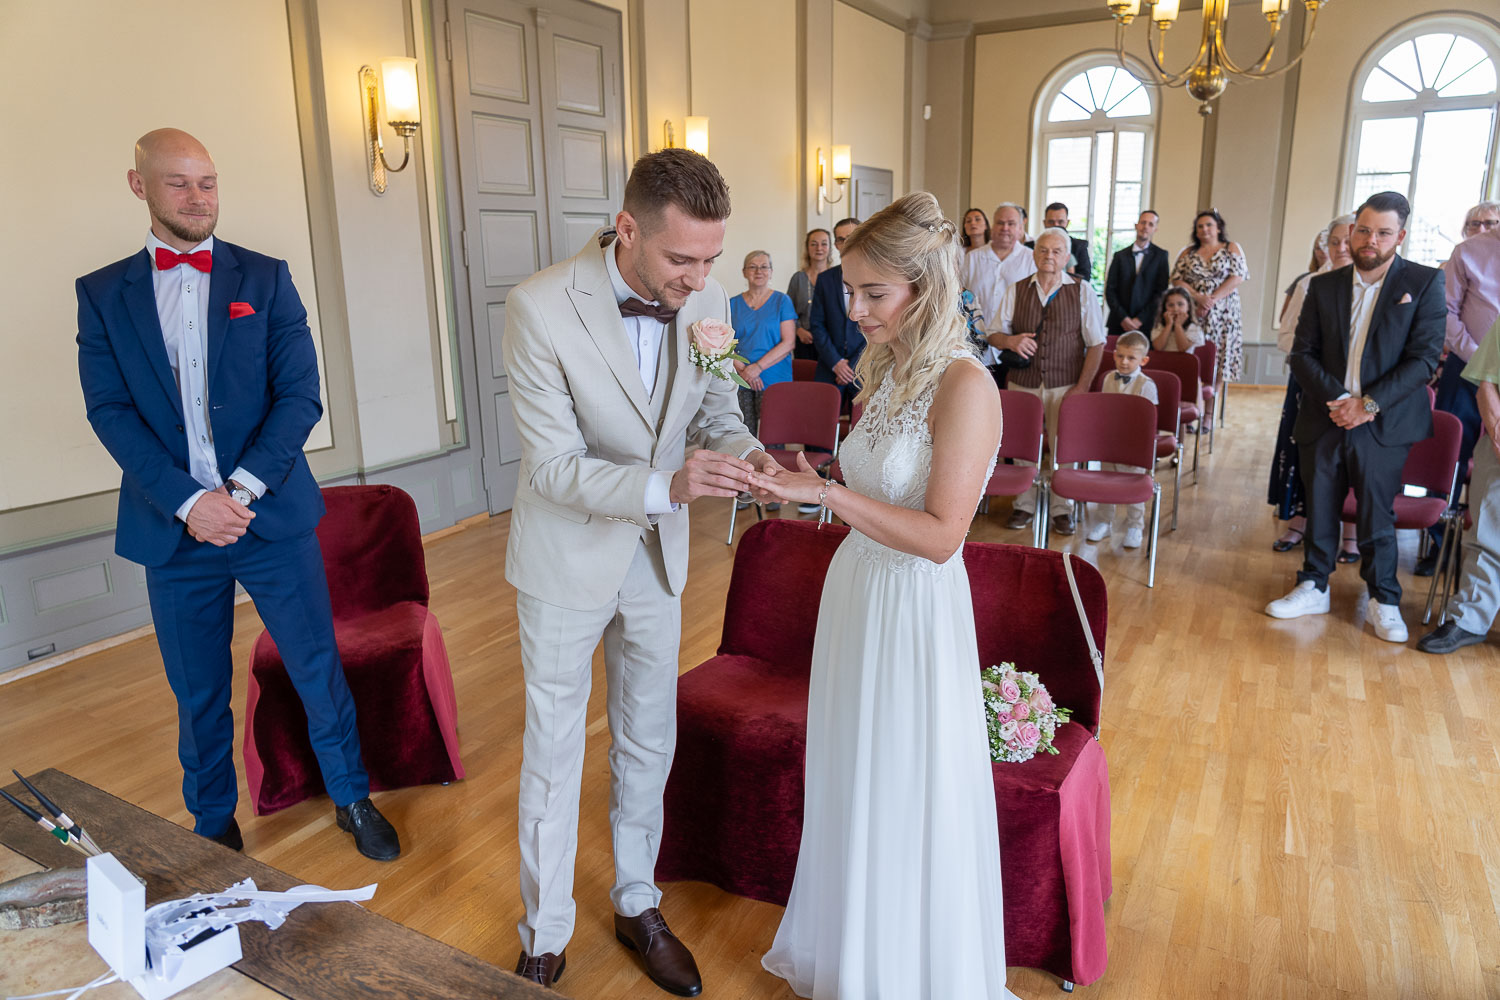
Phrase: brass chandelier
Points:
(1208, 74)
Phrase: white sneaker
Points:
(1305, 599)
(1133, 537)
(1386, 620)
(1099, 532)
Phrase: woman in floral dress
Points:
(1212, 269)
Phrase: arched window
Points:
(1095, 135)
(1424, 124)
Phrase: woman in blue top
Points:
(765, 322)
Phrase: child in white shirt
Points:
(1131, 352)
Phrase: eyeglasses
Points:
(1485, 224)
(757, 267)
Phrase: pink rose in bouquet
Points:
(1028, 734)
(1010, 690)
(1020, 711)
(1003, 713)
(1041, 701)
(712, 337)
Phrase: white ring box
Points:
(117, 931)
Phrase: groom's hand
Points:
(767, 467)
(710, 474)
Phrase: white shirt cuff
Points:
(187, 505)
(250, 482)
(659, 494)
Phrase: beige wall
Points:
(1010, 69)
(869, 91)
(744, 78)
(69, 210)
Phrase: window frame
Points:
(1483, 33)
(1043, 132)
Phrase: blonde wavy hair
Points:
(911, 239)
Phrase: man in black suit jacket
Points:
(1080, 265)
(1137, 277)
(1367, 343)
(835, 337)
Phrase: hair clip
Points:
(931, 228)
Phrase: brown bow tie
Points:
(635, 307)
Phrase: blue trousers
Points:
(192, 605)
(1460, 397)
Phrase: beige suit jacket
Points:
(588, 441)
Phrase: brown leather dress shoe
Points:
(1063, 524)
(546, 968)
(668, 962)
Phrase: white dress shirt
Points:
(1137, 384)
(987, 276)
(1361, 309)
(646, 336)
(1092, 323)
(182, 309)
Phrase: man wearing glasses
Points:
(1473, 294)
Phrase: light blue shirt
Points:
(646, 336)
(182, 309)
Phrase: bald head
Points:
(175, 177)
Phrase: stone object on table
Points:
(44, 899)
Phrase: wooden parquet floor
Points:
(1300, 810)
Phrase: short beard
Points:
(1379, 260)
(177, 229)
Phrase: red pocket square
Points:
(238, 309)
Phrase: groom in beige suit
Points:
(607, 404)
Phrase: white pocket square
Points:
(1404, 299)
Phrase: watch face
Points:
(242, 497)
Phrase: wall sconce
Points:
(695, 134)
(391, 97)
(842, 170)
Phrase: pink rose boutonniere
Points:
(711, 345)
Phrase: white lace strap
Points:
(1088, 633)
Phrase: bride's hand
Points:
(802, 486)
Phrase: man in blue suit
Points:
(196, 359)
(836, 338)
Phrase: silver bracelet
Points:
(823, 501)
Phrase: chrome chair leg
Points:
(1155, 531)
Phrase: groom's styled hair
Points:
(678, 177)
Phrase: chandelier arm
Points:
(1259, 72)
(1159, 52)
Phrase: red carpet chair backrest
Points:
(372, 549)
(1185, 366)
(779, 632)
(1099, 427)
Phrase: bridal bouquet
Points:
(1021, 716)
(711, 346)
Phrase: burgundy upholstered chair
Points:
(1021, 419)
(393, 655)
(734, 799)
(1169, 396)
(1190, 409)
(1108, 427)
(797, 413)
(804, 370)
(1208, 372)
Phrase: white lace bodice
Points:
(888, 455)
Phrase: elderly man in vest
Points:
(1054, 320)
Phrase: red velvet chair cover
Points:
(393, 654)
(734, 798)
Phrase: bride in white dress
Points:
(897, 891)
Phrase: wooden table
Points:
(326, 951)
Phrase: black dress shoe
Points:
(1448, 637)
(667, 961)
(545, 968)
(373, 835)
(230, 838)
(1427, 565)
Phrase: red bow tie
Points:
(203, 260)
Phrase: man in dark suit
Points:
(836, 337)
(1137, 277)
(1367, 343)
(1080, 265)
(196, 360)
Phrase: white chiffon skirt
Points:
(897, 890)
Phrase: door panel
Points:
(541, 160)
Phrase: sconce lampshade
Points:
(695, 138)
(398, 88)
(843, 161)
(1165, 10)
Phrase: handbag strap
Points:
(1088, 633)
